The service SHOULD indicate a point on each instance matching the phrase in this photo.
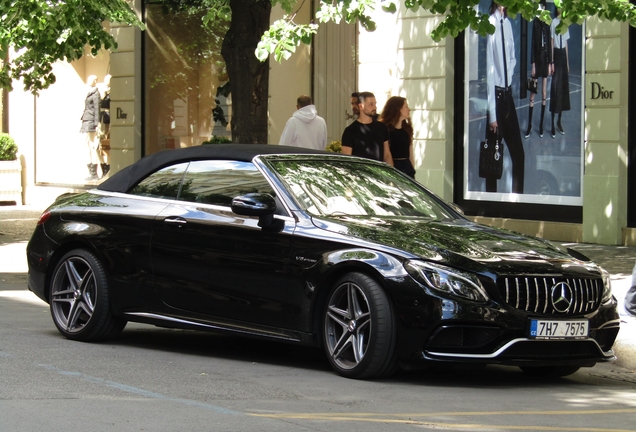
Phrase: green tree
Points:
(45, 31)
(243, 22)
(250, 32)
(285, 35)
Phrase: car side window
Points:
(219, 181)
(163, 183)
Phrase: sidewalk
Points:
(17, 223)
(619, 262)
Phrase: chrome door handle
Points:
(175, 221)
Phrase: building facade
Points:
(167, 91)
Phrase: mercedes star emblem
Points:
(561, 297)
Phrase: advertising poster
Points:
(532, 162)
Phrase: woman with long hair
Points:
(396, 115)
(560, 90)
(541, 54)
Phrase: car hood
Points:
(461, 243)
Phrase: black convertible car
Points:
(319, 249)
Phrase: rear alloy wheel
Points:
(80, 301)
(359, 333)
(549, 371)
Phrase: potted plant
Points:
(217, 140)
(10, 170)
(334, 147)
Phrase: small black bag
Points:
(532, 85)
(491, 156)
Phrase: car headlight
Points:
(447, 280)
(607, 286)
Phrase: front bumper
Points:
(438, 330)
(524, 351)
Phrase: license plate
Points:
(554, 329)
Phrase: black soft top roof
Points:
(133, 174)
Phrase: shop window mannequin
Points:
(104, 125)
(90, 122)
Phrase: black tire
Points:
(549, 371)
(80, 300)
(359, 329)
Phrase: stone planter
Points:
(11, 181)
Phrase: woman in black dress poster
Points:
(541, 55)
(560, 90)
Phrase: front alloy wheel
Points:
(359, 333)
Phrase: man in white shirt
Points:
(502, 115)
(305, 128)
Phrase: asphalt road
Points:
(154, 379)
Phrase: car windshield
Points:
(355, 188)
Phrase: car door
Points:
(212, 263)
(121, 225)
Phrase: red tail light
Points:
(44, 217)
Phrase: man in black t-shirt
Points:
(366, 137)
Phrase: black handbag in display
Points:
(532, 85)
(491, 156)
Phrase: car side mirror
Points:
(258, 204)
(254, 204)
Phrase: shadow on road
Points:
(241, 349)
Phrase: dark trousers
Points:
(510, 133)
(630, 297)
(560, 88)
(630, 301)
(405, 166)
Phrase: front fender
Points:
(386, 265)
(379, 265)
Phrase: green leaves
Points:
(283, 37)
(574, 12)
(216, 11)
(390, 7)
(45, 31)
(459, 15)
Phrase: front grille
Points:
(533, 294)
